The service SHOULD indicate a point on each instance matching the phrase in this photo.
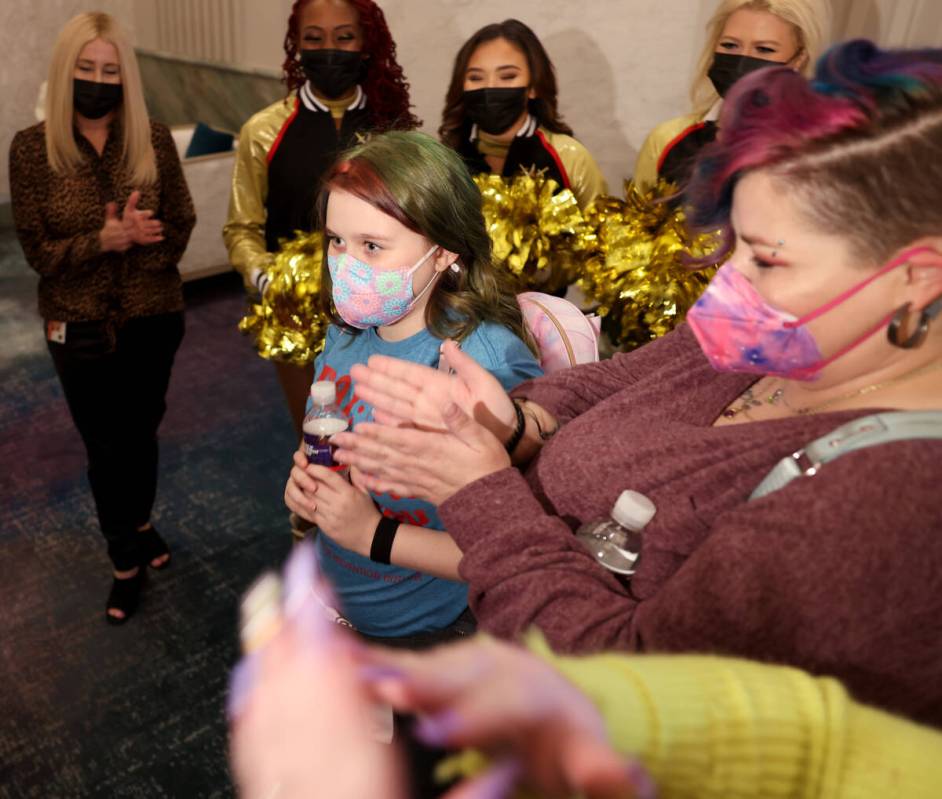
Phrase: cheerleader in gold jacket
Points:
(501, 115)
(742, 36)
(341, 70)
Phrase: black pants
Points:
(115, 383)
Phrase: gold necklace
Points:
(805, 410)
(749, 400)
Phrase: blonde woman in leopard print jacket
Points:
(103, 214)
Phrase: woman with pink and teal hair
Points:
(825, 315)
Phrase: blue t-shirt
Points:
(390, 601)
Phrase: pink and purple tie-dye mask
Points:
(739, 331)
(368, 297)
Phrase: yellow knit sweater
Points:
(717, 727)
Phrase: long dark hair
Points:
(542, 80)
(387, 92)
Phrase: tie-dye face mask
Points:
(368, 297)
(739, 331)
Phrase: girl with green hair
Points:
(408, 266)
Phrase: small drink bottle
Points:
(616, 541)
(324, 420)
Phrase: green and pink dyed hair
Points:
(858, 147)
(426, 187)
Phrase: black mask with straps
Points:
(495, 110)
(93, 100)
(727, 68)
(333, 73)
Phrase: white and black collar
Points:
(312, 103)
(528, 128)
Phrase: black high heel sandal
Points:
(153, 546)
(125, 595)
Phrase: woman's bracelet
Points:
(545, 435)
(519, 427)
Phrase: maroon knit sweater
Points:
(839, 574)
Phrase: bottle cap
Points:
(324, 392)
(633, 510)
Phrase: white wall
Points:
(892, 23)
(623, 65)
(184, 27)
(28, 29)
(263, 32)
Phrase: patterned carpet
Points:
(89, 710)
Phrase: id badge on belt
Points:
(55, 331)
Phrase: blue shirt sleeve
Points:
(503, 354)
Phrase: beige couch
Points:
(209, 178)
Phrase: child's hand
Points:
(301, 489)
(346, 513)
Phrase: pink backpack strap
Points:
(565, 335)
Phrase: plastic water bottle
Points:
(325, 419)
(616, 542)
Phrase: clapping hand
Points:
(437, 431)
(432, 465)
(120, 233)
(402, 392)
(140, 225)
(114, 236)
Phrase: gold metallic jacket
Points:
(584, 174)
(244, 231)
(649, 156)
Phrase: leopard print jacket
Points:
(58, 219)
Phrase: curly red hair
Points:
(387, 92)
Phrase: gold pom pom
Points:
(637, 275)
(288, 323)
(626, 256)
(539, 234)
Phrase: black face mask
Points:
(727, 68)
(495, 110)
(94, 100)
(332, 72)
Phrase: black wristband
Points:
(381, 548)
(517, 434)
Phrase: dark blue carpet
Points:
(88, 710)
